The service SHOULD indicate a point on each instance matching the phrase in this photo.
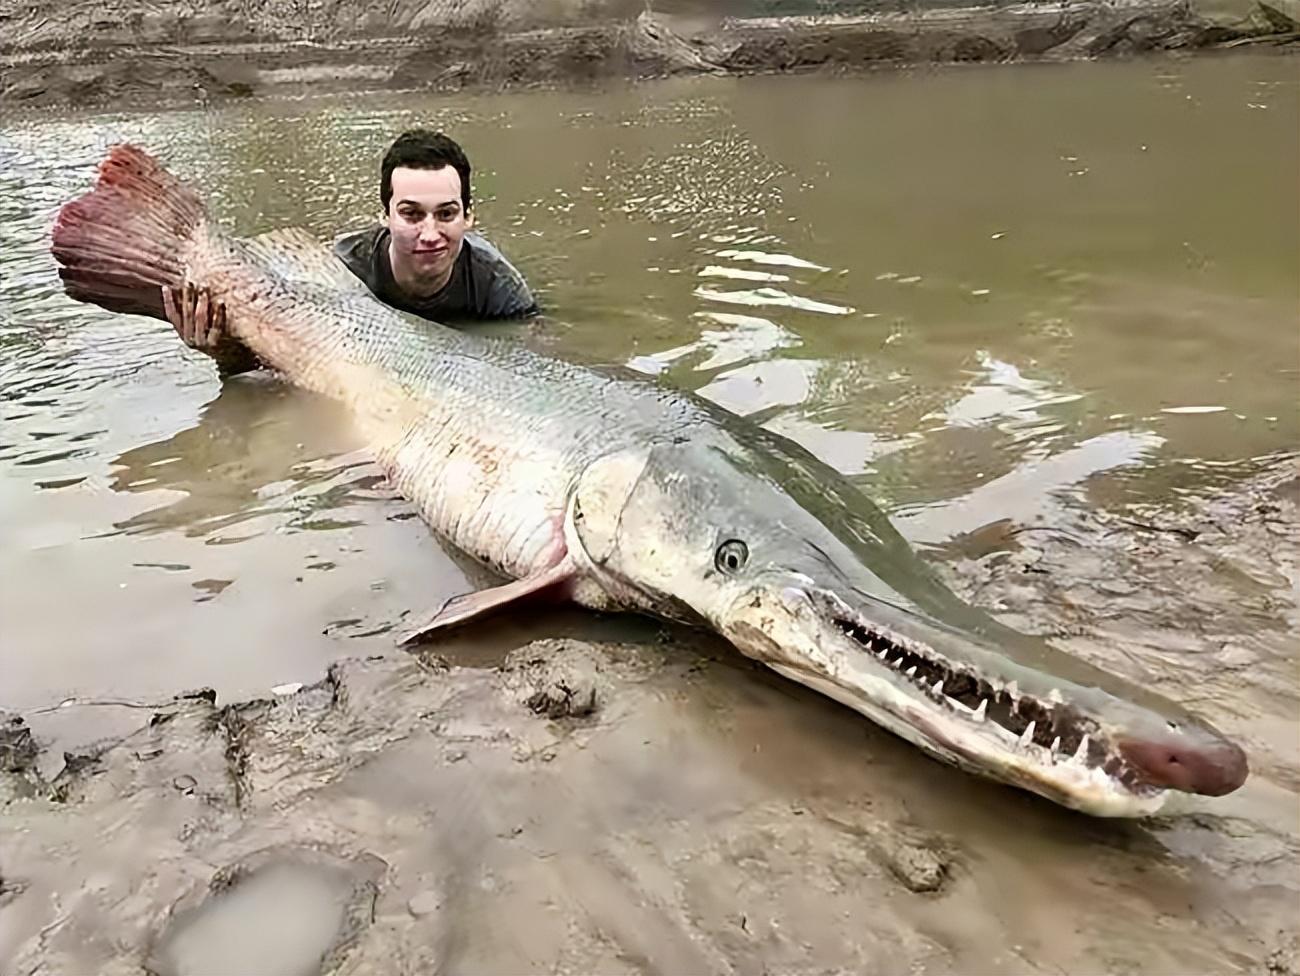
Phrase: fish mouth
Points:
(965, 703)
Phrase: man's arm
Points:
(201, 324)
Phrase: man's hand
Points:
(197, 319)
(201, 324)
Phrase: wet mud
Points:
(179, 52)
(662, 805)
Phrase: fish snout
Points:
(1209, 769)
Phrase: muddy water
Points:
(1046, 315)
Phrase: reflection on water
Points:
(742, 337)
(700, 185)
(260, 448)
(770, 296)
(984, 293)
(1005, 398)
(1030, 491)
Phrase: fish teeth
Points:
(1081, 754)
(911, 672)
(1027, 736)
(938, 687)
(1056, 744)
(982, 711)
(884, 653)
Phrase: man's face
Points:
(427, 222)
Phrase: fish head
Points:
(797, 569)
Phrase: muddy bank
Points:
(403, 810)
(183, 51)
(666, 807)
(408, 818)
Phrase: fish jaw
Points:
(968, 706)
(714, 534)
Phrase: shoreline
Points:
(127, 66)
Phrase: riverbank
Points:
(183, 52)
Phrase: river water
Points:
(985, 292)
(1050, 298)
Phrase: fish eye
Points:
(731, 556)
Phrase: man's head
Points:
(425, 189)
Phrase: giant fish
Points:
(616, 491)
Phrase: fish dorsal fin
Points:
(294, 254)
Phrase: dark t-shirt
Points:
(483, 284)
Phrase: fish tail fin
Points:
(119, 244)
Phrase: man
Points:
(423, 258)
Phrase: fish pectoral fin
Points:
(466, 606)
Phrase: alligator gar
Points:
(618, 492)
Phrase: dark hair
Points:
(424, 149)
